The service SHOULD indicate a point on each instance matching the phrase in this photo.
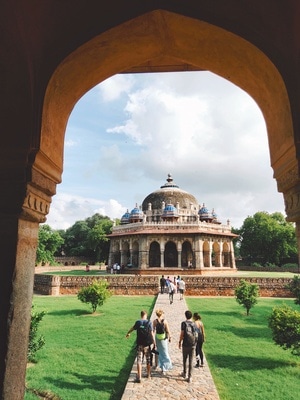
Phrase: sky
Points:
(129, 132)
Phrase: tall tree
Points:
(267, 238)
(49, 241)
(88, 238)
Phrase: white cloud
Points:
(206, 132)
(66, 209)
(112, 88)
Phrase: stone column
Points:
(18, 238)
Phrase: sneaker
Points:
(137, 380)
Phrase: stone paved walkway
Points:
(172, 386)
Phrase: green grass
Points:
(87, 357)
(250, 274)
(243, 359)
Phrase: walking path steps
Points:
(172, 385)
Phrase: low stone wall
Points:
(149, 285)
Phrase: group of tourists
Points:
(172, 287)
(152, 343)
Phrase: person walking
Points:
(162, 337)
(162, 284)
(187, 341)
(201, 338)
(181, 288)
(144, 340)
(172, 290)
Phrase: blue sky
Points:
(126, 134)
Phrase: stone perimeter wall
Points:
(55, 285)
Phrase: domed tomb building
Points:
(172, 231)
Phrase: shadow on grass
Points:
(74, 312)
(245, 332)
(239, 363)
(105, 382)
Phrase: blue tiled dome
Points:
(205, 214)
(136, 214)
(170, 211)
(125, 218)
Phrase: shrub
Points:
(285, 325)
(294, 287)
(95, 294)
(256, 264)
(246, 294)
(35, 343)
(270, 265)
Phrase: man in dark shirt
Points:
(162, 284)
(143, 349)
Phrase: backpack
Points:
(160, 327)
(190, 334)
(144, 334)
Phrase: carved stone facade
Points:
(149, 285)
(171, 230)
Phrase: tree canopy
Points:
(267, 238)
(49, 241)
(86, 238)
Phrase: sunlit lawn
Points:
(244, 361)
(87, 357)
(250, 274)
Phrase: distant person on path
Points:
(144, 340)
(162, 284)
(162, 337)
(181, 287)
(172, 290)
(187, 341)
(201, 338)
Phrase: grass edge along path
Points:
(243, 359)
(87, 357)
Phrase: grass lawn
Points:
(87, 357)
(250, 274)
(243, 359)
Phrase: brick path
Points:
(172, 386)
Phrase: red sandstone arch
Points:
(160, 38)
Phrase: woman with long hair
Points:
(162, 337)
(201, 337)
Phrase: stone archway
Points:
(158, 39)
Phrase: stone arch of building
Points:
(154, 254)
(135, 254)
(157, 39)
(149, 38)
(171, 255)
(187, 254)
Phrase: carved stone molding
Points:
(287, 179)
(36, 205)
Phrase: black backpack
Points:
(190, 334)
(144, 334)
(160, 327)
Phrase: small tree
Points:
(95, 294)
(35, 343)
(294, 287)
(246, 294)
(285, 325)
